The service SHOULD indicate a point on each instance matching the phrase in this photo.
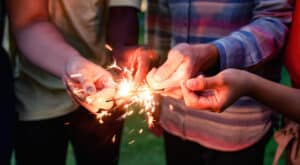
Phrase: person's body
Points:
(232, 84)
(217, 35)
(229, 85)
(8, 116)
(56, 39)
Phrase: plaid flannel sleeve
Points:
(261, 39)
(158, 27)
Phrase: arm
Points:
(220, 91)
(43, 45)
(281, 98)
(37, 37)
(258, 41)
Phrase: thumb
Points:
(202, 83)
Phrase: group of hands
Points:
(178, 77)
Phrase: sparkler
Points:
(128, 93)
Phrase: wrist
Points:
(249, 81)
(208, 56)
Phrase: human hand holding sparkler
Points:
(94, 88)
(89, 84)
(183, 62)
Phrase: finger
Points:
(105, 82)
(86, 84)
(188, 96)
(151, 81)
(174, 80)
(89, 87)
(194, 101)
(202, 83)
(102, 99)
(87, 106)
(173, 92)
(169, 67)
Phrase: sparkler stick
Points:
(134, 93)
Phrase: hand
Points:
(215, 93)
(89, 84)
(183, 62)
(136, 59)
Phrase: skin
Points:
(61, 59)
(226, 87)
(183, 62)
(229, 85)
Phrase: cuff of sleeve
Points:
(222, 54)
(128, 3)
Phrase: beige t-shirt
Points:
(82, 23)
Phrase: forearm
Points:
(280, 98)
(43, 45)
(37, 38)
(210, 59)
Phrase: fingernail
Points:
(189, 83)
(90, 90)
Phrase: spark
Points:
(129, 113)
(131, 131)
(89, 99)
(101, 115)
(150, 120)
(171, 107)
(125, 87)
(128, 93)
(141, 131)
(113, 139)
(108, 47)
(131, 142)
(114, 65)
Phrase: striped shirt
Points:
(247, 33)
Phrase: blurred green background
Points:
(145, 148)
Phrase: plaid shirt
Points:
(246, 33)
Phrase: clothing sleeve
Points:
(258, 41)
(158, 27)
(292, 56)
(129, 3)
